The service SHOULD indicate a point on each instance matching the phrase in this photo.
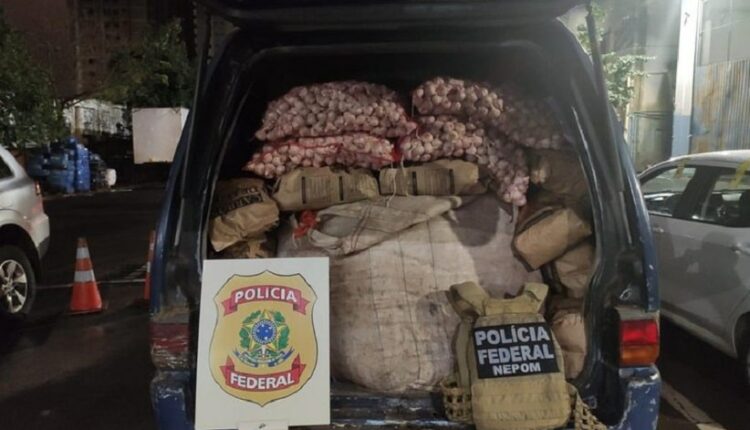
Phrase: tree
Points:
(29, 113)
(154, 72)
(619, 70)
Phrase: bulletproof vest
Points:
(509, 361)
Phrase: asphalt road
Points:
(116, 226)
(93, 372)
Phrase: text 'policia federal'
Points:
(512, 350)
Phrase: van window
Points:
(663, 192)
(5, 171)
(727, 201)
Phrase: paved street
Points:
(91, 372)
(708, 379)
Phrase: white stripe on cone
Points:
(87, 276)
(82, 253)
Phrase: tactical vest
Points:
(508, 360)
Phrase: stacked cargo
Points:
(63, 167)
(406, 206)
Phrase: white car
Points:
(24, 237)
(699, 207)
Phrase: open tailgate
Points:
(310, 15)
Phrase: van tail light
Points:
(37, 188)
(639, 342)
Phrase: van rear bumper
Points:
(642, 390)
(171, 397)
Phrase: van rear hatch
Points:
(259, 15)
(293, 42)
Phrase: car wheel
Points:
(17, 283)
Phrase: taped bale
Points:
(547, 234)
(242, 209)
(439, 178)
(391, 323)
(573, 269)
(317, 188)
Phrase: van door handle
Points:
(741, 248)
(658, 230)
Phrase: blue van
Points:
(283, 43)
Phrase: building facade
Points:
(75, 39)
(712, 107)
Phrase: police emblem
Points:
(264, 346)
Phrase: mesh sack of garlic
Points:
(351, 150)
(335, 108)
(449, 137)
(444, 136)
(526, 120)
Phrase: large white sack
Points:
(391, 324)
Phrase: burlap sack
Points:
(391, 323)
(559, 172)
(548, 234)
(241, 209)
(439, 178)
(348, 228)
(574, 268)
(321, 187)
(257, 247)
(569, 329)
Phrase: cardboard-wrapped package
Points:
(559, 172)
(241, 210)
(547, 234)
(570, 331)
(573, 269)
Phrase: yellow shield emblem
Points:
(264, 346)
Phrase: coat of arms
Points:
(264, 346)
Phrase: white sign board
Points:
(156, 133)
(263, 344)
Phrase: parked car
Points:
(279, 45)
(24, 237)
(700, 217)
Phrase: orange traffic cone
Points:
(147, 280)
(85, 298)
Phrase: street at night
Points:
(375, 215)
(91, 371)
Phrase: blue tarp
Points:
(65, 169)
